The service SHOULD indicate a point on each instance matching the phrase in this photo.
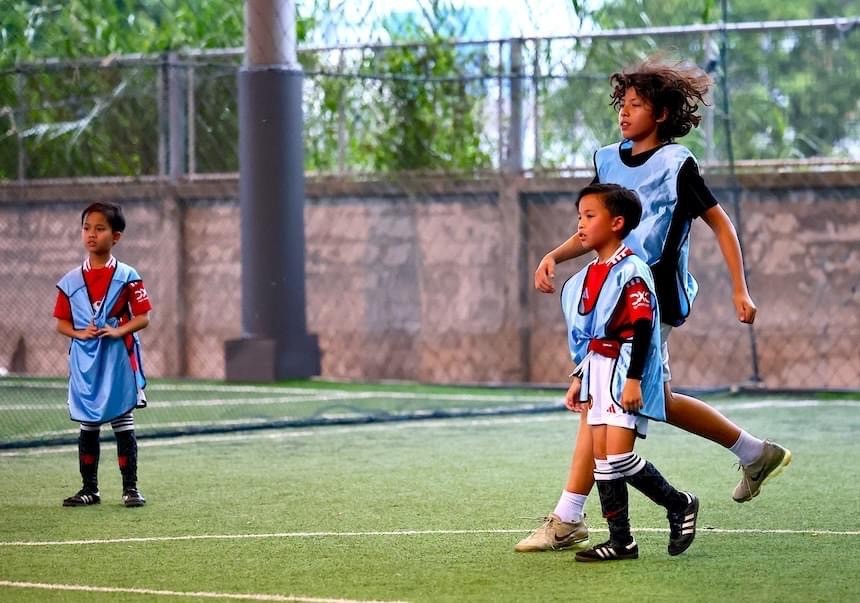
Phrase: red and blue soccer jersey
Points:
(634, 304)
(133, 301)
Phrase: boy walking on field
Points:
(100, 306)
(657, 103)
(614, 337)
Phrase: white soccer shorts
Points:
(603, 409)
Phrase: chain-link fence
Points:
(437, 177)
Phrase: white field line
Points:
(284, 434)
(260, 422)
(387, 533)
(307, 397)
(203, 402)
(328, 397)
(452, 423)
(171, 387)
(175, 593)
(788, 404)
(308, 392)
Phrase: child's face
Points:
(97, 235)
(636, 116)
(597, 228)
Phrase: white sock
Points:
(570, 505)
(748, 448)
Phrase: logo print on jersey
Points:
(639, 299)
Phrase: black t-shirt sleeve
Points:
(639, 352)
(694, 196)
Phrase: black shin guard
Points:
(613, 503)
(126, 454)
(88, 459)
(650, 482)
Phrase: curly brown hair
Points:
(676, 88)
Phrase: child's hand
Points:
(112, 332)
(91, 332)
(544, 274)
(631, 396)
(744, 307)
(571, 398)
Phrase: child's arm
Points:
(631, 395)
(66, 328)
(572, 248)
(135, 324)
(727, 238)
(571, 398)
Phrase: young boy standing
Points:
(100, 306)
(656, 103)
(613, 329)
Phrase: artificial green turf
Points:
(446, 475)
(36, 414)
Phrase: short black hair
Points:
(619, 201)
(111, 212)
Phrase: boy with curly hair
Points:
(657, 103)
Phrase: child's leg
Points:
(88, 464)
(613, 501)
(565, 528)
(126, 453)
(580, 476)
(89, 450)
(612, 488)
(760, 459)
(682, 508)
(694, 416)
(639, 473)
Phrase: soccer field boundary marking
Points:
(311, 392)
(309, 399)
(179, 593)
(310, 396)
(428, 423)
(387, 533)
(304, 432)
(287, 400)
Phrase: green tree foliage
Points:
(429, 114)
(104, 119)
(792, 93)
(39, 29)
(406, 107)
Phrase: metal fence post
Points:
(191, 102)
(515, 127)
(500, 104)
(18, 124)
(161, 87)
(176, 117)
(341, 117)
(733, 179)
(536, 78)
